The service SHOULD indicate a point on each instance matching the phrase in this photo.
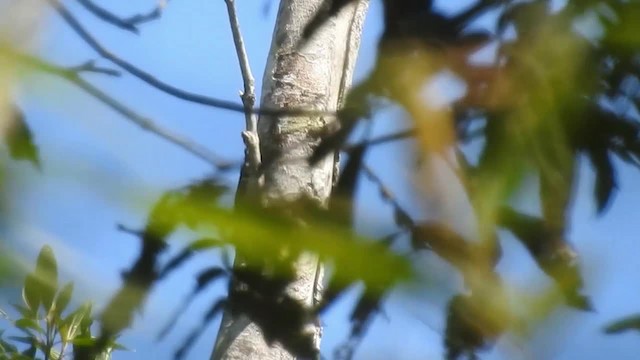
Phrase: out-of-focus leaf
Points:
(328, 9)
(30, 352)
(473, 259)
(343, 195)
(19, 139)
(606, 182)
(63, 298)
(25, 323)
(31, 294)
(84, 341)
(552, 253)
(625, 324)
(23, 339)
(72, 325)
(203, 279)
(47, 275)
(205, 243)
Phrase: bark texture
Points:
(312, 77)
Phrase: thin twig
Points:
(402, 217)
(169, 89)
(91, 67)
(145, 123)
(248, 95)
(401, 135)
(129, 24)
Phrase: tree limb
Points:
(162, 86)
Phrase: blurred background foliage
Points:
(547, 86)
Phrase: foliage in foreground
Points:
(49, 330)
(554, 95)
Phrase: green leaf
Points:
(606, 182)
(205, 243)
(30, 352)
(84, 341)
(19, 139)
(23, 310)
(63, 298)
(71, 326)
(31, 294)
(23, 339)
(26, 323)
(625, 324)
(47, 274)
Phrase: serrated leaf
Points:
(19, 139)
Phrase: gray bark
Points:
(314, 78)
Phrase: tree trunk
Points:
(314, 78)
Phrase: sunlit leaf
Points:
(63, 298)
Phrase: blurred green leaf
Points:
(23, 339)
(31, 294)
(63, 298)
(19, 139)
(625, 324)
(47, 275)
(72, 325)
(29, 324)
(84, 341)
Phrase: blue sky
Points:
(100, 170)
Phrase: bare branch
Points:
(248, 96)
(169, 89)
(71, 75)
(129, 24)
(91, 67)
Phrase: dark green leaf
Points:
(605, 178)
(23, 339)
(625, 324)
(19, 139)
(343, 195)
